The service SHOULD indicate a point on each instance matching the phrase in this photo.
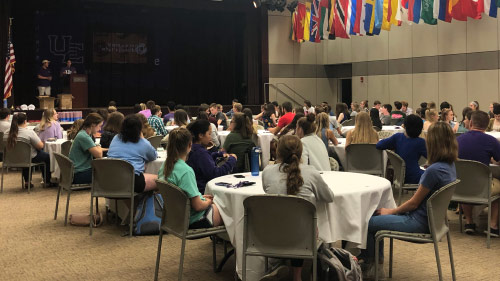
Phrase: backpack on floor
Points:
(335, 264)
(147, 220)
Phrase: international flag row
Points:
(327, 19)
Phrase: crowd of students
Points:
(303, 137)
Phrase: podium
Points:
(46, 102)
(65, 101)
(78, 86)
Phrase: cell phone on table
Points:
(239, 176)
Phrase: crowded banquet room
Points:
(250, 140)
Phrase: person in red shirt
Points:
(285, 119)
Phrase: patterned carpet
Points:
(34, 246)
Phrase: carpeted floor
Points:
(34, 246)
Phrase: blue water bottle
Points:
(254, 160)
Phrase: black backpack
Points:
(335, 264)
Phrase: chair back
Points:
(18, 156)
(399, 167)
(350, 122)
(279, 226)
(66, 147)
(364, 158)
(397, 121)
(67, 169)
(242, 151)
(2, 142)
(437, 207)
(176, 211)
(475, 182)
(112, 178)
(155, 141)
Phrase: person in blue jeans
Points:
(411, 216)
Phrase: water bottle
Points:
(254, 160)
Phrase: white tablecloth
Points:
(154, 166)
(393, 129)
(51, 147)
(495, 135)
(170, 128)
(264, 137)
(357, 196)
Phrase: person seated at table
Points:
(215, 143)
(323, 129)
(494, 124)
(290, 128)
(169, 117)
(248, 113)
(5, 120)
(291, 177)
(147, 131)
(240, 140)
(398, 113)
(204, 212)
(342, 113)
(49, 127)
(146, 110)
(409, 146)
(447, 117)
(84, 149)
(463, 126)
(285, 119)
(155, 121)
(478, 146)
(375, 117)
(19, 132)
(355, 109)
(363, 131)
(269, 117)
(111, 129)
(314, 152)
(411, 216)
(431, 117)
(385, 116)
(308, 108)
(202, 161)
(131, 146)
(490, 112)
(474, 105)
(74, 129)
(180, 118)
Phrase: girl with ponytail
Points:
(315, 153)
(19, 132)
(290, 177)
(204, 213)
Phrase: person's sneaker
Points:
(277, 274)
(470, 228)
(369, 274)
(493, 232)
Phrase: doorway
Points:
(345, 91)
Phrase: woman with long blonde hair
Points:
(323, 129)
(49, 127)
(363, 131)
(431, 117)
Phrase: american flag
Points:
(10, 60)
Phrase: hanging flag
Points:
(428, 12)
(379, 13)
(300, 22)
(10, 60)
(331, 16)
(307, 21)
(294, 25)
(414, 9)
(441, 10)
(342, 16)
(490, 8)
(392, 12)
(455, 9)
(472, 8)
(386, 20)
(362, 18)
(356, 7)
(324, 23)
(315, 22)
(369, 22)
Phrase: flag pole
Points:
(10, 30)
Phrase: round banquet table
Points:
(264, 139)
(392, 129)
(494, 134)
(51, 147)
(356, 197)
(154, 166)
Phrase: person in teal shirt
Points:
(84, 148)
(204, 213)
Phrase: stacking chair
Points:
(175, 221)
(474, 188)
(20, 157)
(279, 226)
(66, 147)
(113, 179)
(437, 206)
(364, 158)
(155, 141)
(350, 122)
(399, 166)
(66, 182)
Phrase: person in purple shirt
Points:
(201, 160)
(171, 110)
(49, 127)
(147, 112)
(409, 146)
(478, 146)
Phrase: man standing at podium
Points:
(65, 75)
(44, 78)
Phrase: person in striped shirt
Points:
(156, 122)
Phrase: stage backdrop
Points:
(132, 53)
